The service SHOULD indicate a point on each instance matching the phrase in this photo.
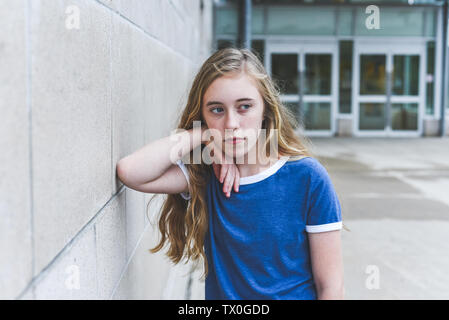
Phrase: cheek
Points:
(213, 123)
(254, 122)
(208, 121)
(256, 117)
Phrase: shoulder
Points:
(306, 163)
(310, 167)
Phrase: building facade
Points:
(83, 83)
(347, 67)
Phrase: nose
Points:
(231, 120)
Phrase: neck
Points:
(247, 169)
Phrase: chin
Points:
(243, 153)
(235, 153)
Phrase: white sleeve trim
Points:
(324, 227)
(183, 168)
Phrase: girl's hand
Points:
(229, 175)
(225, 171)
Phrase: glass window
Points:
(372, 116)
(258, 47)
(404, 116)
(430, 77)
(345, 17)
(257, 20)
(284, 70)
(405, 78)
(226, 21)
(293, 107)
(431, 22)
(372, 74)
(345, 83)
(318, 74)
(317, 115)
(300, 20)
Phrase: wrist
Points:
(195, 137)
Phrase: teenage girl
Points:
(264, 229)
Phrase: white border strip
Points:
(183, 168)
(264, 174)
(324, 227)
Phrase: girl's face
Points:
(233, 106)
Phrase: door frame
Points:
(388, 48)
(302, 47)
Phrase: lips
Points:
(234, 140)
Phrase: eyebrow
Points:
(238, 100)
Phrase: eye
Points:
(245, 105)
(217, 108)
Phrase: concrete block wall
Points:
(73, 102)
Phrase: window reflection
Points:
(317, 116)
(405, 75)
(284, 69)
(372, 116)
(318, 74)
(372, 74)
(404, 116)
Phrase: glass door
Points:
(306, 73)
(405, 100)
(388, 90)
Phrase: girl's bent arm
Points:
(152, 168)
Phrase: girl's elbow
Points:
(122, 171)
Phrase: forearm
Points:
(331, 293)
(151, 161)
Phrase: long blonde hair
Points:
(183, 224)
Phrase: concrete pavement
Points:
(395, 200)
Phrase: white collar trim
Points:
(264, 174)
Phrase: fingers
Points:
(236, 180)
(227, 173)
(229, 179)
(223, 172)
(232, 179)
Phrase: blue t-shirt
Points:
(256, 245)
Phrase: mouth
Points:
(234, 140)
